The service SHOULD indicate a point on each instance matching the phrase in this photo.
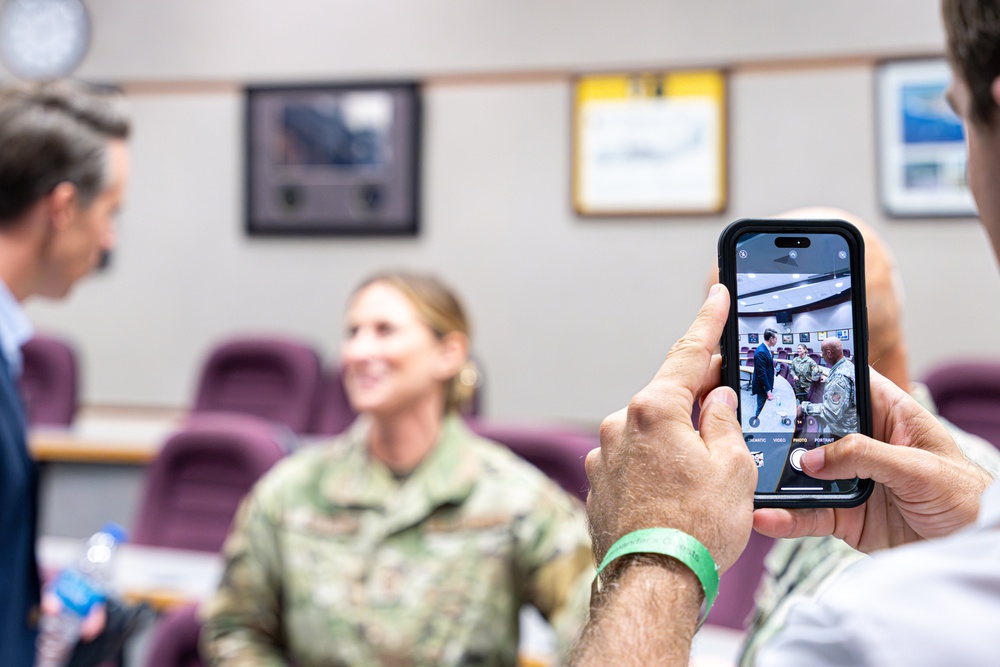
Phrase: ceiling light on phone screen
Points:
(808, 297)
(751, 275)
(840, 284)
(796, 276)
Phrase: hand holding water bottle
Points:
(73, 605)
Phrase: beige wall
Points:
(572, 315)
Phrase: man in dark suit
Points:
(63, 170)
(762, 385)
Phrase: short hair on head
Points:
(442, 311)
(769, 334)
(53, 133)
(973, 29)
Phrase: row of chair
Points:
(203, 470)
(281, 379)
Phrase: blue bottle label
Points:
(76, 593)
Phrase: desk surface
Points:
(164, 578)
(107, 436)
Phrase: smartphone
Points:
(795, 350)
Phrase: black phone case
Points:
(730, 341)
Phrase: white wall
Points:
(572, 315)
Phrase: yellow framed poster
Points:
(650, 143)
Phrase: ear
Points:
(63, 202)
(454, 351)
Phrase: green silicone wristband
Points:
(677, 545)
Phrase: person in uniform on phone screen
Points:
(803, 371)
(839, 409)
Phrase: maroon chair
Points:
(195, 484)
(967, 393)
(557, 452)
(272, 378)
(332, 412)
(739, 583)
(174, 642)
(815, 393)
(49, 381)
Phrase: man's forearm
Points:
(646, 616)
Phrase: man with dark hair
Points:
(762, 383)
(63, 171)
(931, 596)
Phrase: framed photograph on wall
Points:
(844, 334)
(787, 339)
(333, 159)
(820, 335)
(753, 339)
(650, 143)
(803, 338)
(921, 144)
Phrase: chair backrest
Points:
(50, 381)
(195, 484)
(557, 452)
(967, 393)
(332, 412)
(738, 584)
(272, 378)
(174, 641)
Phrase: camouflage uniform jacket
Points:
(333, 561)
(806, 370)
(839, 410)
(798, 571)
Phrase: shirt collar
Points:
(447, 474)
(15, 329)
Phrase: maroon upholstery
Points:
(331, 412)
(967, 393)
(272, 378)
(49, 381)
(174, 642)
(738, 584)
(559, 453)
(196, 482)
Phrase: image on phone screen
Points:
(796, 353)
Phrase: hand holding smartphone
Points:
(795, 350)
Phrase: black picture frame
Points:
(803, 338)
(333, 159)
(753, 339)
(787, 339)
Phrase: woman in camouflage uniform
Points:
(409, 540)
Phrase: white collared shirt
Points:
(929, 603)
(15, 329)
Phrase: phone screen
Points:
(798, 340)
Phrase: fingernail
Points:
(724, 395)
(814, 459)
(716, 288)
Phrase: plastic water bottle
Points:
(79, 588)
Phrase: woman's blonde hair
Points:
(442, 311)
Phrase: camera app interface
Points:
(796, 350)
